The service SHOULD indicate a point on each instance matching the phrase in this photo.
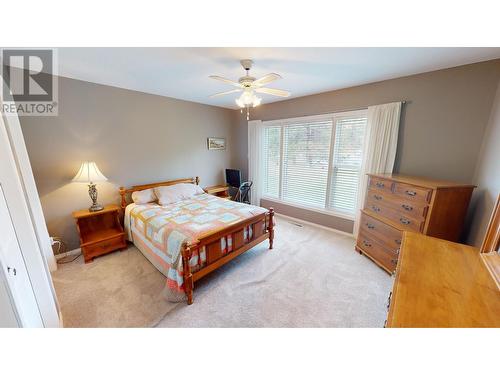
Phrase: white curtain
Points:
(255, 161)
(380, 146)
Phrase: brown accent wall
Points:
(133, 137)
(442, 126)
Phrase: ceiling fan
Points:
(249, 85)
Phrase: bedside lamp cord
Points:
(61, 245)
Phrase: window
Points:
(315, 162)
(305, 162)
(346, 163)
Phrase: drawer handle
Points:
(366, 243)
(377, 197)
(394, 261)
(398, 241)
(404, 221)
(407, 207)
(375, 208)
(370, 226)
(379, 184)
(411, 193)
(397, 251)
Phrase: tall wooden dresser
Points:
(397, 203)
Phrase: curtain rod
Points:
(334, 112)
(357, 109)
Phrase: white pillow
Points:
(175, 193)
(143, 196)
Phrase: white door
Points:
(14, 269)
(8, 315)
(21, 239)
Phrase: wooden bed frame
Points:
(262, 229)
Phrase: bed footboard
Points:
(244, 236)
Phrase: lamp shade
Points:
(89, 173)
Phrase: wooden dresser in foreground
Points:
(397, 203)
(100, 231)
(442, 284)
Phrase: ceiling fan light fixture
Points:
(239, 103)
(256, 101)
(247, 97)
(250, 86)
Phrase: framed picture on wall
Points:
(215, 143)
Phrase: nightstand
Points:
(221, 191)
(100, 231)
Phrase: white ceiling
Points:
(182, 73)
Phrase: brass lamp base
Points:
(93, 195)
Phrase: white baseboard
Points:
(315, 225)
(68, 253)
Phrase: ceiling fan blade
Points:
(266, 79)
(225, 93)
(275, 92)
(225, 80)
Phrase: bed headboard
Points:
(126, 192)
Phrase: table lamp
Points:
(89, 173)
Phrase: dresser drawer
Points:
(384, 257)
(404, 206)
(380, 184)
(412, 193)
(383, 233)
(401, 220)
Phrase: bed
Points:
(187, 239)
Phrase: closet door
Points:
(8, 313)
(19, 288)
(22, 249)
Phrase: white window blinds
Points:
(306, 150)
(315, 162)
(346, 163)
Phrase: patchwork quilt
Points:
(160, 231)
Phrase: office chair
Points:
(243, 192)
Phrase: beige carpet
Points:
(313, 278)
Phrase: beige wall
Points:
(133, 137)
(442, 126)
(487, 178)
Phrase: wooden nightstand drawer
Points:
(100, 231)
(103, 247)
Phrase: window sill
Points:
(309, 208)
